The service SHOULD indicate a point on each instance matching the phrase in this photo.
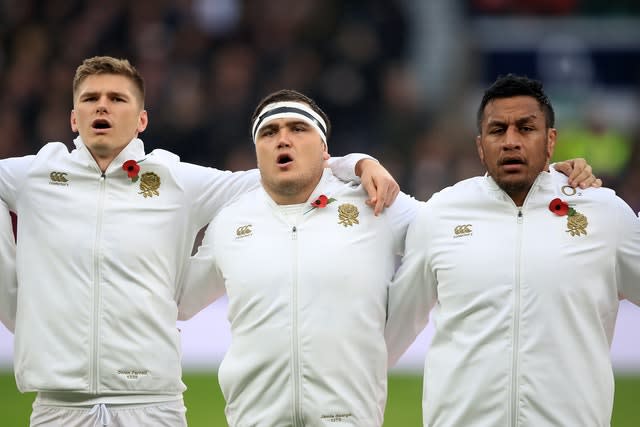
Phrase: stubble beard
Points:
(514, 188)
(519, 187)
(287, 188)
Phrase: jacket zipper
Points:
(95, 356)
(297, 416)
(516, 324)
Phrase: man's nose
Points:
(101, 105)
(284, 138)
(512, 138)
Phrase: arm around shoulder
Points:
(203, 283)
(413, 291)
(628, 253)
(13, 172)
(8, 283)
(211, 189)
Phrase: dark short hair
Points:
(108, 65)
(513, 85)
(290, 95)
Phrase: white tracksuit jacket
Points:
(524, 311)
(307, 307)
(99, 260)
(8, 285)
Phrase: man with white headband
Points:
(306, 266)
(279, 110)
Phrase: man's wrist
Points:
(360, 165)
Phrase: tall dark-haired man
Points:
(525, 274)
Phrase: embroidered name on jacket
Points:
(462, 230)
(336, 418)
(132, 374)
(58, 178)
(149, 184)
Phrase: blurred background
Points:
(400, 80)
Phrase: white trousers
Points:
(164, 414)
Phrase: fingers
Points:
(586, 179)
(382, 194)
(371, 190)
(380, 186)
(388, 190)
(579, 172)
(376, 199)
(377, 204)
(565, 167)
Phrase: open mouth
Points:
(511, 161)
(101, 124)
(284, 159)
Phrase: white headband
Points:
(289, 109)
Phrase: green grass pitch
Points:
(205, 405)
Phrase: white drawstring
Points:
(103, 414)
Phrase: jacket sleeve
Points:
(8, 283)
(628, 253)
(413, 291)
(400, 215)
(209, 190)
(12, 174)
(345, 167)
(203, 282)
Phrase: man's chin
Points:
(511, 185)
(286, 186)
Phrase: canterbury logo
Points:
(243, 231)
(462, 230)
(58, 178)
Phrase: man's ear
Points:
(143, 121)
(72, 120)
(479, 148)
(552, 135)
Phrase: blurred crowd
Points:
(207, 63)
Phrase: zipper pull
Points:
(294, 232)
(519, 215)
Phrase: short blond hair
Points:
(108, 65)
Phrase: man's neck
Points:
(103, 164)
(104, 159)
(294, 199)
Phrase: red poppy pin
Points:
(576, 222)
(132, 168)
(559, 207)
(320, 202)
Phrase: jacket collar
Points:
(327, 185)
(544, 183)
(133, 151)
